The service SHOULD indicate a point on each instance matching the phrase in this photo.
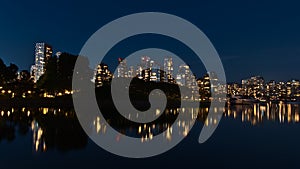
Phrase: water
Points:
(248, 136)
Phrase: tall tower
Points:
(145, 65)
(168, 69)
(154, 71)
(184, 76)
(43, 52)
(122, 68)
(145, 62)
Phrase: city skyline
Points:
(43, 51)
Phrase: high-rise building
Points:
(253, 86)
(102, 75)
(168, 69)
(145, 65)
(122, 68)
(155, 72)
(139, 72)
(145, 62)
(43, 52)
(32, 72)
(271, 90)
(204, 87)
(131, 72)
(184, 76)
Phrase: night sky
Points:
(252, 38)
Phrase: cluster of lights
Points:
(258, 89)
(257, 113)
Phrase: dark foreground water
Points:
(252, 136)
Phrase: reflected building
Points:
(39, 143)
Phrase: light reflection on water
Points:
(259, 113)
(56, 128)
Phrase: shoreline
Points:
(67, 102)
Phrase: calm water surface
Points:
(248, 136)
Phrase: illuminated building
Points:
(122, 68)
(214, 82)
(271, 90)
(139, 72)
(43, 52)
(204, 87)
(23, 75)
(145, 65)
(131, 72)
(168, 70)
(155, 72)
(183, 77)
(102, 75)
(254, 86)
(145, 62)
(32, 71)
(293, 87)
(233, 89)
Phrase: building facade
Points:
(43, 52)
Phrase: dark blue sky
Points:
(252, 37)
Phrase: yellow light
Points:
(45, 110)
(296, 117)
(98, 127)
(29, 92)
(3, 91)
(67, 92)
(186, 131)
(215, 121)
(9, 91)
(44, 146)
(142, 139)
(169, 134)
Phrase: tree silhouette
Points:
(59, 73)
(48, 81)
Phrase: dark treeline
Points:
(56, 79)
(59, 72)
(13, 81)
